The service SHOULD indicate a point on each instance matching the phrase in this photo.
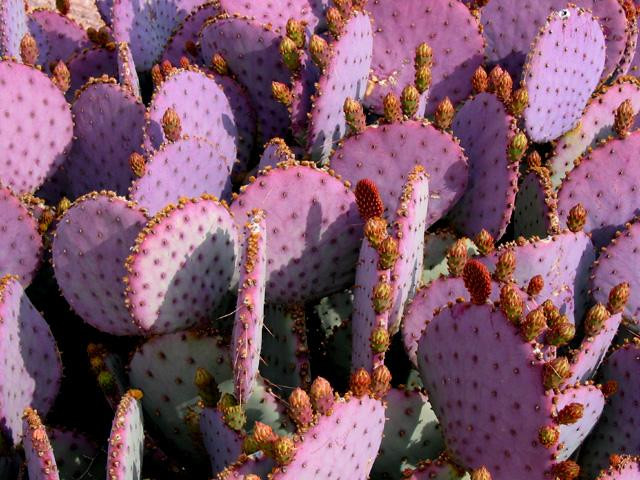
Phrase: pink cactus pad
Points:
(303, 88)
(276, 14)
(572, 435)
(256, 464)
(365, 319)
(536, 204)
(127, 75)
(344, 77)
(428, 300)
(91, 62)
(188, 31)
(617, 431)
(314, 241)
(510, 28)
(411, 433)
(40, 461)
(22, 244)
(31, 366)
(451, 31)
(244, 118)
(586, 360)
(275, 151)
(563, 260)
(410, 225)
(109, 123)
(58, 37)
(223, 444)
(246, 340)
(475, 365)
(36, 127)
(571, 45)
(183, 263)
(627, 469)
(207, 115)
(605, 183)
(147, 25)
(485, 130)
(245, 43)
(90, 246)
(379, 153)
(13, 26)
(285, 353)
(616, 265)
(187, 167)
(126, 441)
(596, 124)
(164, 369)
(354, 429)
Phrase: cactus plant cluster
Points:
(319, 239)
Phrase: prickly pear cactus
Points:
(40, 460)
(126, 441)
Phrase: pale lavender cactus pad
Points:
(365, 319)
(410, 226)
(485, 130)
(214, 123)
(451, 31)
(275, 151)
(596, 124)
(147, 25)
(309, 11)
(572, 435)
(609, 195)
(627, 469)
(21, 242)
(345, 76)
(91, 62)
(182, 265)
(563, 261)
(467, 355)
(188, 31)
(510, 28)
(13, 26)
(39, 457)
(109, 126)
(188, 167)
(32, 153)
(556, 99)
(126, 440)
(89, 249)
(58, 37)
(616, 264)
(440, 469)
(245, 43)
(246, 338)
(313, 247)
(616, 432)
(223, 444)
(31, 366)
(378, 153)
(354, 428)
(586, 359)
(127, 75)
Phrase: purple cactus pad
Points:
(627, 469)
(21, 241)
(535, 213)
(275, 151)
(485, 130)
(556, 99)
(36, 127)
(127, 75)
(344, 77)
(451, 31)
(313, 243)
(380, 154)
(31, 366)
(605, 183)
(182, 265)
(187, 167)
(126, 441)
(188, 31)
(91, 62)
(39, 458)
(89, 249)
(75, 453)
(223, 445)
(13, 26)
(276, 14)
